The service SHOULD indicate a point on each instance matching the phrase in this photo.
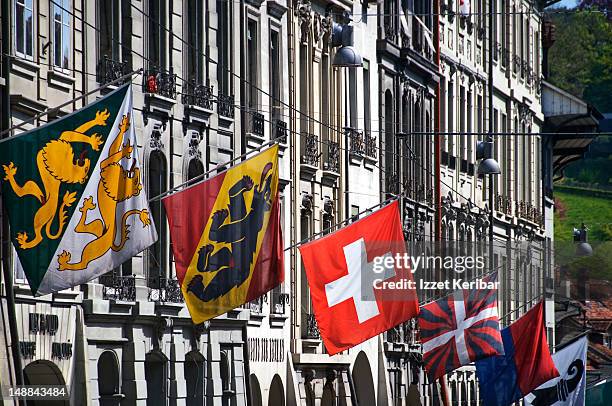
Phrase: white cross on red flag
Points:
(357, 289)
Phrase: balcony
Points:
(370, 146)
(109, 70)
(225, 106)
(256, 306)
(310, 155)
(199, 95)
(257, 124)
(312, 329)
(167, 291)
(503, 204)
(356, 144)
(392, 183)
(332, 157)
(421, 37)
(118, 288)
(279, 302)
(160, 82)
(280, 131)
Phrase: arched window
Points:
(108, 379)
(156, 375)
(157, 254)
(194, 169)
(225, 371)
(194, 378)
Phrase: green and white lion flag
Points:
(74, 195)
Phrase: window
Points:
(108, 378)
(366, 97)
(225, 371)
(24, 28)
(275, 76)
(224, 46)
(61, 34)
(451, 119)
(108, 23)
(470, 136)
(157, 33)
(462, 122)
(195, 41)
(195, 169)
(157, 185)
(252, 64)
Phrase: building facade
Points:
(213, 80)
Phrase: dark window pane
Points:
(29, 26)
(57, 43)
(19, 29)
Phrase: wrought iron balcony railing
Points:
(256, 306)
(392, 184)
(166, 291)
(332, 160)
(279, 302)
(109, 70)
(159, 81)
(280, 132)
(225, 105)
(356, 144)
(370, 145)
(200, 95)
(310, 149)
(312, 329)
(118, 287)
(257, 123)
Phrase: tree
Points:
(581, 59)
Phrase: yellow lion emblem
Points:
(116, 185)
(56, 165)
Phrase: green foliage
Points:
(580, 61)
(574, 208)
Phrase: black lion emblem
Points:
(233, 265)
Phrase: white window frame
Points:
(64, 22)
(24, 4)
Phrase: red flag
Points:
(358, 291)
(226, 236)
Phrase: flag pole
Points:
(4, 240)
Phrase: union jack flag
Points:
(459, 329)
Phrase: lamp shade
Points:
(489, 166)
(584, 249)
(347, 56)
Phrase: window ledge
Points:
(277, 320)
(60, 80)
(25, 68)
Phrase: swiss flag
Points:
(358, 288)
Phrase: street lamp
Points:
(583, 248)
(346, 56)
(488, 165)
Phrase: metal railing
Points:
(310, 149)
(166, 291)
(312, 329)
(279, 302)
(225, 105)
(370, 145)
(118, 287)
(332, 159)
(356, 144)
(159, 81)
(200, 95)
(280, 130)
(108, 70)
(257, 123)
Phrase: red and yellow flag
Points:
(226, 237)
